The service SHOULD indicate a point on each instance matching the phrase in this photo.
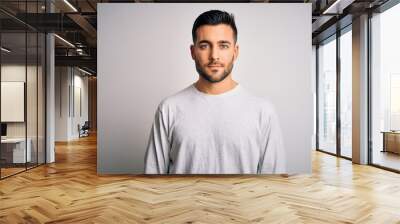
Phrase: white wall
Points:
(61, 103)
(68, 82)
(79, 117)
(143, 56)
(17, 72)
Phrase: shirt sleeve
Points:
(158, 147)
(273, 158)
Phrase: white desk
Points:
(18, 145)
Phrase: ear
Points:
(236, 51)
(192, 51)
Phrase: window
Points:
(385, 88)
(327, 96)
(346, 93)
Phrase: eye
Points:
(224, 46)
(203, 46)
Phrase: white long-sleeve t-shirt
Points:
(230, 133)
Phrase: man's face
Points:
(214, 52)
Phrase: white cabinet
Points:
(18, 149)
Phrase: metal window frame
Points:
(334, 37)
(381, 9)
(387, 5)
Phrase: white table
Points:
(18, 145)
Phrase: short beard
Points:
(203, 73)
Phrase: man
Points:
(215, 126)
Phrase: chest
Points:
(219, 124)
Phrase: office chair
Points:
(84, 130)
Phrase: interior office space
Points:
(48, 125)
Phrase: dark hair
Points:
(214, 17)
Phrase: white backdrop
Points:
(144, 56)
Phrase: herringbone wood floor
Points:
(70, 191)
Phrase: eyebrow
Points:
(220, 42)
(224, 42)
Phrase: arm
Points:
(158, 147)
(273, 158)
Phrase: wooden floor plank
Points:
(70, 191)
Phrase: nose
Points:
(214, 55)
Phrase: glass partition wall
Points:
(22, 88)
(13, 87)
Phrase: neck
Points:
(215, 88)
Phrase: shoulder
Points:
(261, 104)
(176, 99)
(268, 107)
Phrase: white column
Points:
(360, 90)
(50, 92)
(50, 100)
